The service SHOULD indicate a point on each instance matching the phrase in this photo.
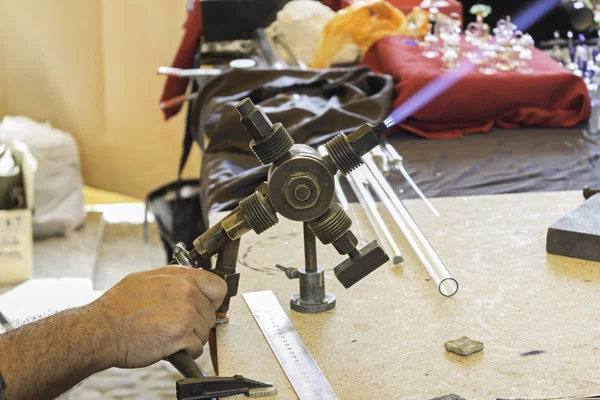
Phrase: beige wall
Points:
(89, 67)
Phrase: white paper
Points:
(44, 296)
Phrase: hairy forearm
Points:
(45, 358)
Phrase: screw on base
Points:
(328, 303)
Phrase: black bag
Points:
(177, 208)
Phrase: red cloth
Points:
(552, 97)
(184, 59)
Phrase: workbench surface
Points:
(385, 339)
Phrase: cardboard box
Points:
(16, 231)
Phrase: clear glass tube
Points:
(447, 285)
(368, 204)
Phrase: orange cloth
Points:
(362, 23)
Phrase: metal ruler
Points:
(300, 367)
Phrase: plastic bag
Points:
(299, 25)
(58, 197)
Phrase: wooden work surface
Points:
(385, 339)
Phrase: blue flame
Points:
(533, 13)
(432, 90)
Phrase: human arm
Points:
(141, 320)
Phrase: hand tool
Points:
(398, 164)
(300, 187)
(447, 285)
(196, 383)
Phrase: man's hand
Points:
(144, 318)
(154, 314)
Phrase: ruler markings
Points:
(298, 364)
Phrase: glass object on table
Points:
(582, 54)
(525, 57)
(509, 25)
(412, 27)
(456, 23)
(557, 52)
(516, 43)
(431, 40)
(505, 60)
(504, 35)
(526, 44)
(571, 65)
(450, 60)
(477, 33)
(488, 67)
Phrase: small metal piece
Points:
(463, 346)
(301, 166)
(269, 141)
(312, 298)
(290, 272)
(332, 225)
(257, 212)
(342, 154)
(254, 119)
(345, 151)
(225, 268)
(589, 192)
(180, 255)
(302, 191)
(339, 191)
(310, 249)
(271, 148)
(262, 392)
(364, 139)
(346, 244)
(360, 265)
(217, 386)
